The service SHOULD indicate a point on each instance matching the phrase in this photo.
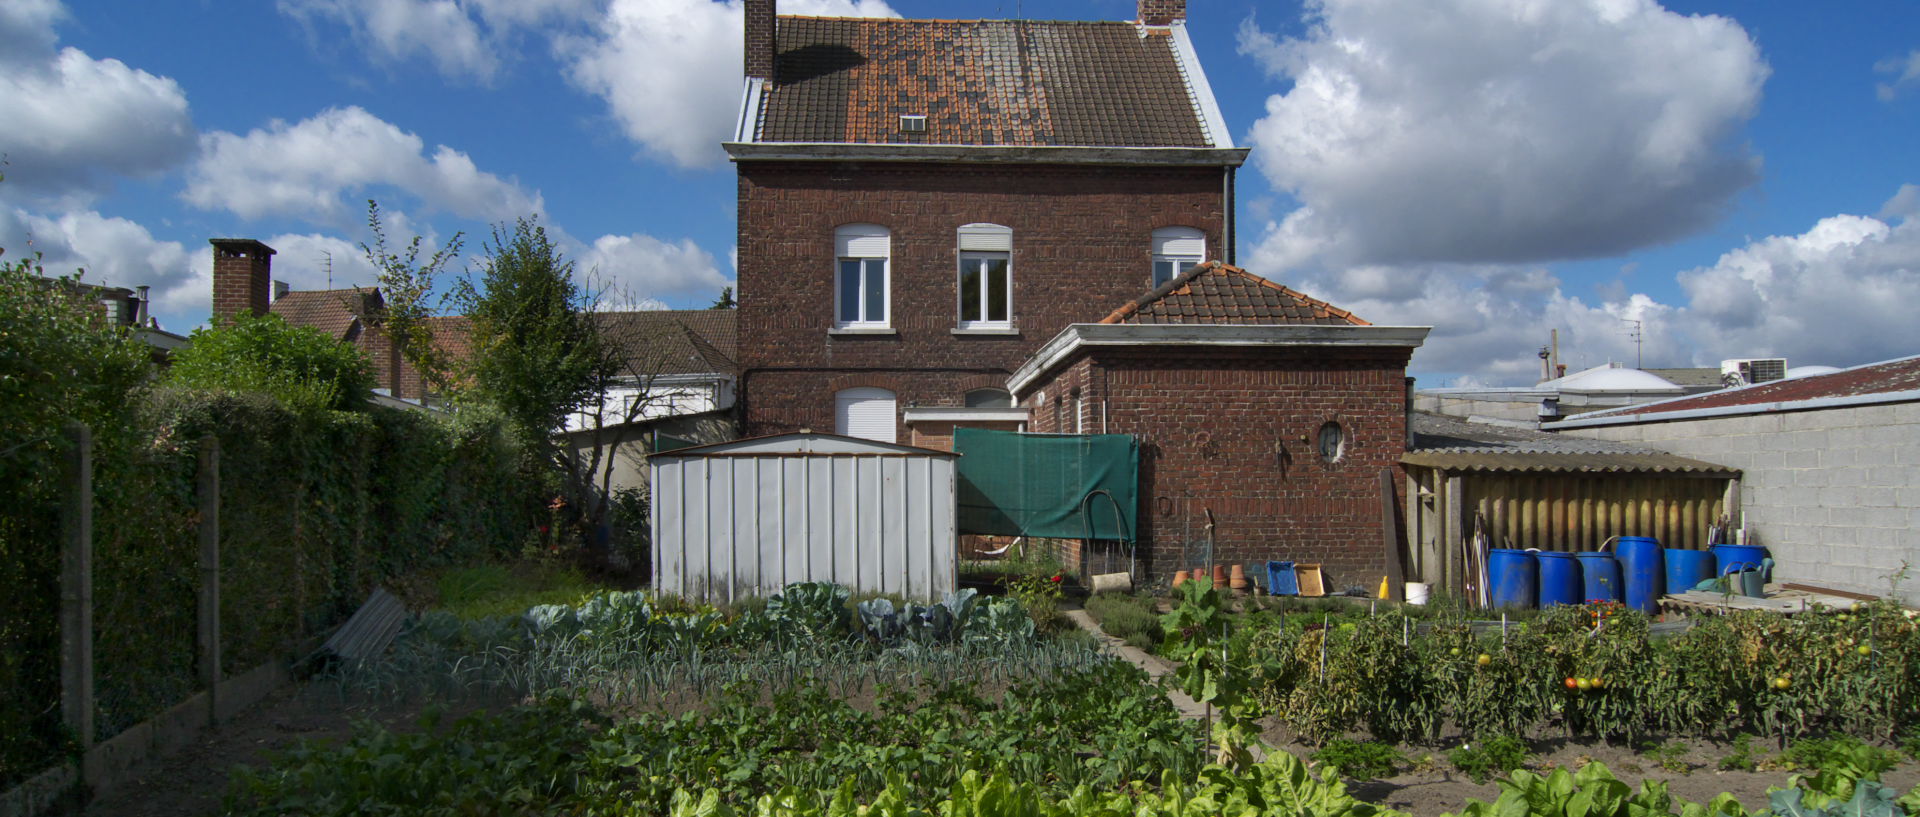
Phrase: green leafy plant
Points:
(1592, 792)
(1744, 758)
(1197, 639)
(1489, 756)
(302, 368)
(1359, 760)
(1670, 756)
(1040, 595)
(1132, 619)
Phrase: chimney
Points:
(1163, 12)
(242, 276)
(760, 45)
(142, 306)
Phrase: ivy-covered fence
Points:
(316, 507)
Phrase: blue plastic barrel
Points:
(1281, 580)
(1686, 569)
(1725, 556)
(1599, 575)
(1644, 568)
(1559, 578)
(1514, 576)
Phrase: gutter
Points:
(996, 154)
(1168, 335)
(1851, 401)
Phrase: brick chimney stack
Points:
(1162, 12)
(760, 45)
(242, 276)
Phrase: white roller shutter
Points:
(1180, 241)
(861, 241)
(986, 238)
(866, 413)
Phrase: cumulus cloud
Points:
(1835, 294)
(465, 39)
(75, 122)
(309, 167)
(640, 271)
(1905, 72)
(1504, 131)
(669, 70)
(113, 251)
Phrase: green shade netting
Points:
(1013, 484)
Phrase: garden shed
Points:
(749, 517)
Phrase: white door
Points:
(866, 413)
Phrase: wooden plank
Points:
(76, 587)
(1390, 537)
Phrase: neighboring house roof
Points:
(1888, 381)
(1690, 377)
(1219, 293)
(332, 311)
(1612, 377)
(453, 334)
(1011, 83)
(664, 342)
(1452, 444)
(718, 327)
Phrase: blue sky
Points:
(1733, 175)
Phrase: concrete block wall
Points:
(1834, 494)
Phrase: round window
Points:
(1333, 442)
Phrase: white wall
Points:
(1834, 494)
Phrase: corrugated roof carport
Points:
(1547, 491)
(749, 517)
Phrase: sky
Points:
(1664, 184)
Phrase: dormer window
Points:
(1176, 250)
(913, 123)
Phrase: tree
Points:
(405, 286)
(725, 301)
(298, 365)
(536, 351)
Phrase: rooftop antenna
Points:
(1638, 338)
(327, 257)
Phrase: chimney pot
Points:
(1162, 12)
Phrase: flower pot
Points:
(1179, 578)
(1238, 580)
(1219, 576)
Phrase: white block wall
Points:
(1834, 494)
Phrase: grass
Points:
(490, 590)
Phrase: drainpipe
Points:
(1226, 208)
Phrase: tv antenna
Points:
(1638, 337)
(327, 258)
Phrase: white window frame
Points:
(1179, 248)
(863, 244)
(980, 244)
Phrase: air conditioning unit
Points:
(1747, 371)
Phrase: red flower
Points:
(1057, 577)
(543, 528)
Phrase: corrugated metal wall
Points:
(1552, 511)
(729, 526)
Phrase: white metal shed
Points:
(749, 517)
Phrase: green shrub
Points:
(1359, 760)
(494, 589)
(1489, 757)
(1133, 619)
(1744, 757)
(299, 366)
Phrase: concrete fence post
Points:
(76, 586)
(207, 489)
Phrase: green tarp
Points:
(1036, 484)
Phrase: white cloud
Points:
(116, 252)
(308, 261)
(1837, 294)
(307, 168)
(1503, 131)
(669, 70)
(74, 122)
(1905, 71)
(639, 271)
(464, 39)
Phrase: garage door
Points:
(865, 413)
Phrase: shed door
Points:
(866, 413)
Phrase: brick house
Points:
(938, 219)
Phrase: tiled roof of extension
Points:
(1875, 378)
(332, 311)
(1021, 83)
(1220, 293)
(1453, 444)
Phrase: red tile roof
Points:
(979, 82)
(1874, 378)
(1215, 292)
(332, 311)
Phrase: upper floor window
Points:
(862, 285)
(986, 276)
(989, 398)
(1176, 250)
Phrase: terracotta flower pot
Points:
(1219, 575)
(1239, 580)
(1179, 578)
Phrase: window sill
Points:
(862, 330)
(1005, 331)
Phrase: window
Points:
(861, 285)
(989, 398)
(867, 413)
(1332, 442)
(985, 285)
(1176, 250)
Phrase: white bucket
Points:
(1417, 593)
(1112, 583)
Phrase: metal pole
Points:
(207, 489)
(76, 587)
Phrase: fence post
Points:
(207, 489)
(76, 586)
